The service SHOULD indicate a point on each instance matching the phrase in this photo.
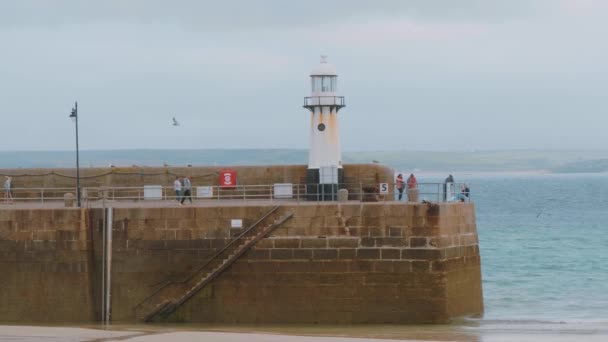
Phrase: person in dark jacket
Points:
(187, 190)
(400, 184)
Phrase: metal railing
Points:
(36, 194)
(437, 192)
(430, 192)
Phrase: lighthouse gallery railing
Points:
(324, 101)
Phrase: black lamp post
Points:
(74, 117)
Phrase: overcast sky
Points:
(418, 75)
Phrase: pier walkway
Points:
(241, 195)
(156, 204)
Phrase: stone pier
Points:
(349, 262)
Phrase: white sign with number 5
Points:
(384, 188)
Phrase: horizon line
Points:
(306, 149)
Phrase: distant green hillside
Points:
(507, 160)
(144, 157)
(588, 166)
(511, 160)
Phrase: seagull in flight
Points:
(175, 123)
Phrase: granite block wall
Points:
(394, 263)
(331, 263)
(46, 266)
(358, 174)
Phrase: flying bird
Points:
(175, 123)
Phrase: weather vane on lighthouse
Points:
(325, 172)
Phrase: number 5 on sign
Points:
(384, 188)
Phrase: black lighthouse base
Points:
(322, 192)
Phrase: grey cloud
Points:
(234, 15)
(416, 74)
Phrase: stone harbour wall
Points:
(138, 176)
(52, 184)
(370, 263)
(385, 262)
(46, 266)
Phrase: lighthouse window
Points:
(321, 127)
(323, 83)
(316, 83)
(329, 83)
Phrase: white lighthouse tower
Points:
(325, 158)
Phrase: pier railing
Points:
(430, 192)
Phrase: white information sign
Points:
(153, 192)
(449, 192)
(204, 191)
(283, 190)
(236, 223)
(328, 175)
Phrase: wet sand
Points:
(486, 332)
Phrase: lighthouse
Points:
(324, 174)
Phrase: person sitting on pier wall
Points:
(187, 190)
(400, 185)
(177, 187)
(412, 188)
(464, 193)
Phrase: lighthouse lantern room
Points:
(325, 174)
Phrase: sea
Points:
(544, 245)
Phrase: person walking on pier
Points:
(8, 191)
(187, 190)
(177, 187)
(400, 184)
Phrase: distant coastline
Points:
(587, 166)
(502, 161)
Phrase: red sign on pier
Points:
(227, 178)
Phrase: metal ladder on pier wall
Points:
(171, 295)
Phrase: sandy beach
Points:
(490, 332)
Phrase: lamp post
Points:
(74, 117)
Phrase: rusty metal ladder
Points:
(172, 295)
